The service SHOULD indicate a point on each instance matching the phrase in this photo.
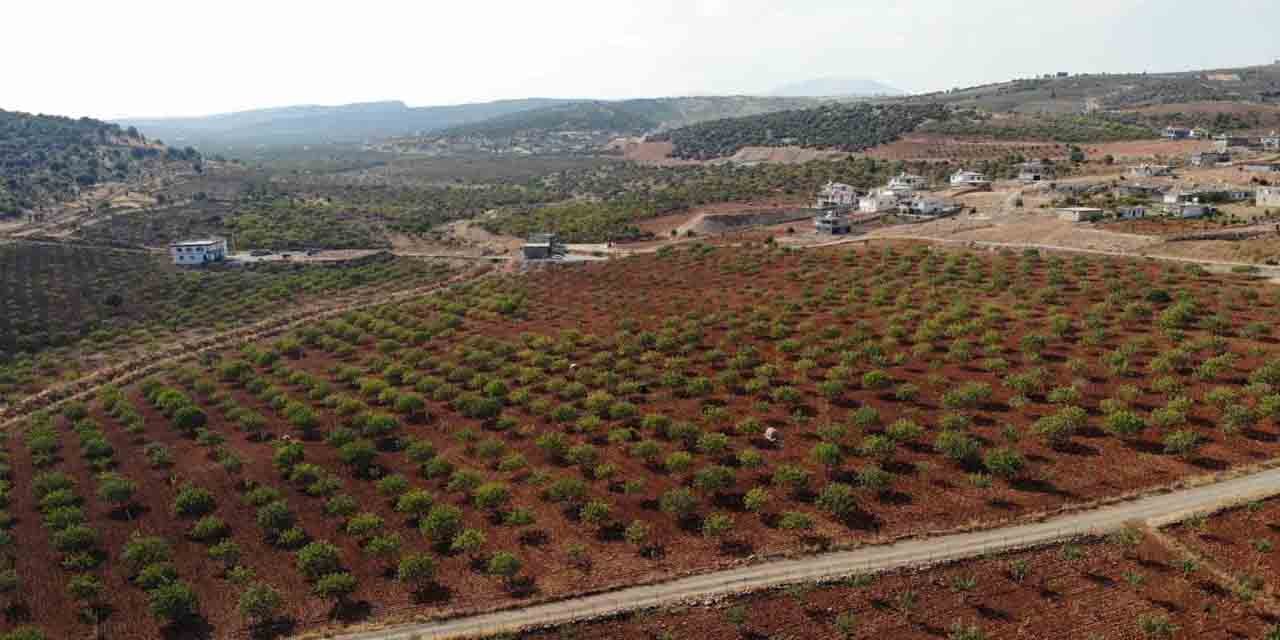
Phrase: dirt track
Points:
(1155, 510)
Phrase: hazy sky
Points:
(112, 58)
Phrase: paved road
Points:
(1156, 510)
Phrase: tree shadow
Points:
(196, 628)
(1210, 464)
(351, 611)
(433, 593)
(274, 629)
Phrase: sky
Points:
(145, 58)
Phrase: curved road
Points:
(1155, 510)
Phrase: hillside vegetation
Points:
(48, 158)
(1056, 128)
(848, 127)
(1077, 93)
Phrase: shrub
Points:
(795, 521)
(364, 525)
(193, 501)
(336, 586)
(1183, 442)
(441, 524)
(957, 446)
(679, 503)
(417, 570)
(1004, 462)
(838, 500)
(174, 602)
(141, 551)
(318, 559)
(209, 529)
(259, 603)
(1124, 423)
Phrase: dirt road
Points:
(1155, 510)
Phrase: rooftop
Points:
(197, 243)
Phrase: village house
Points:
(1271, 142)
(930, 207)
(878, 202)
(1131, 213)
(832, 223)
(906, 183)
(1225, 143)
(1189, 211)
(1150, 170)
(198, 252)
(1267, 197)
(1079, 214)
(834, 195)
(970, 179)
(1035, 171)
(1209, 158)
(1177, 133)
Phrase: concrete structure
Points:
(1079, 214)
(198, 252)
(906, 183)
(1035, 171)
(543, 246)
(835, 195)
(1140, 191)
(1271, 142)
(832, 223)
(1263, 167)
(878, 202)
(1150, 170)
(1267, 197)
(1225, 143)
(1177, 133)
(970, 180)
(1131, 213)
(932, 207)
(1189, 210)
(1209, 158)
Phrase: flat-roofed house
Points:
(198, 252)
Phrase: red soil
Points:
(933, 147)
(1242, 541)
(1093, 596)
(806, 289)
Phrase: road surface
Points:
(1155, 510)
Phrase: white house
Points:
(1079, 214)
(1267, 197)
(1189, 210)
(907, 183)
(878, 202)
(195, 252)
(1271, 142)
(1177, 133)
(928, 207)
(1131, 213)
(970, 179)
(836, 194)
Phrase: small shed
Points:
(1189, 211)
(1131, 213)
(1267, 197)
(1079, 214)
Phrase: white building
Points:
(1131, 213)
(1267, 197)
(836, 194)
(1034, 171)
(1271, 142)
(832, 223)
(907, 183)
(1188, 210)
(878, 202)
(920, 206)
(196, 252)
(970, 179)
(1079, 214)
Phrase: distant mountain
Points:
(836, 86)
(45, 159)
(352, 123)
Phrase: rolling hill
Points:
(836, 86)
(44, 159)
(302, 125)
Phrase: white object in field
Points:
(771, 434)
